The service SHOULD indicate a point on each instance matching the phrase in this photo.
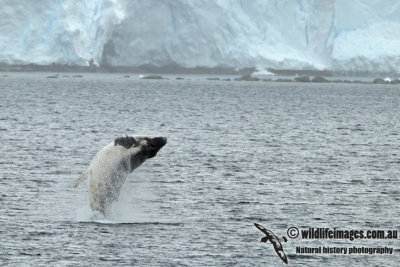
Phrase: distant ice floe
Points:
(262, 73)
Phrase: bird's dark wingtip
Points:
(282, 256)
(260, 227)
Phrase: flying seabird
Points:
(275, 241)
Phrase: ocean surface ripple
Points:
(280, 154)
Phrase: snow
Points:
(323, 34)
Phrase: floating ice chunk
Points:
(261, 73)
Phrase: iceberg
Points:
(362, 35)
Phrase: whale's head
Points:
(150, 145)
(141, 148)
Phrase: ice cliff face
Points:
(345, 35)
(367, 35)
(228, 33)
(48, 31)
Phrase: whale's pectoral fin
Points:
(283, 239)
(83, 176)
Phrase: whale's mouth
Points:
(155, 145)
(160, 142)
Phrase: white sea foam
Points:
(131, 208)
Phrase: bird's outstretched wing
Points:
(281, 254)
(261, 228)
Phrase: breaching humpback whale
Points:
(113, 163)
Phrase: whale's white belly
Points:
(109, 170)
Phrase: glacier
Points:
(49, 31)
(362, 35)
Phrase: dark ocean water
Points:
(280, 154)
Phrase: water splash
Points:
(132, 207)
